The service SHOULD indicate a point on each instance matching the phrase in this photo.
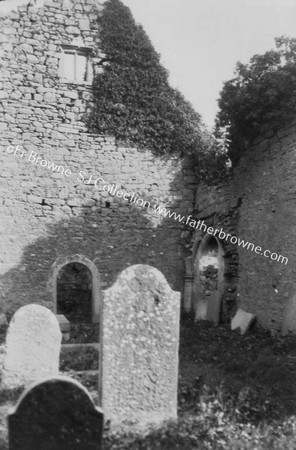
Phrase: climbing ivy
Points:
(133, 100)
(262, 92)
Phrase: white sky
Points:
(200, 41)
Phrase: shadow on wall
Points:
(112, 238)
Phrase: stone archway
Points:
(65, 268)
(208, 272)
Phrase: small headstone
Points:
(64, 326)
(201, 307)
(213, 307)
(55, 414)
(289, 319)
(139, 348)
(33, 344)
(242, 320)
(2, 356)
(3, 320)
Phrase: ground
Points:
(235, 392)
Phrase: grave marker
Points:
(32, 347)
(213, 307)
(242, 321)
(55, 414)
(139, 348)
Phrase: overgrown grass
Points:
(235, 393)
(80, 358)
(83, 333)
(216, 425)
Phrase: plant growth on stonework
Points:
(133, 99)
(263, 92)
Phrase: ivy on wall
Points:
(263, 92)
(133, 100)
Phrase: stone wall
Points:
(266, 184)
(257, 205)
(218, 207)
(49, 211)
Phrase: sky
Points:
(200, 41)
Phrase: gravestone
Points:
(213, 307)
(32, 347)
(139, 348)
(242, 321)
(64, 326)
(3, 320)
(55, 414)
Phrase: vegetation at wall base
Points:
(133, 100)
(263, 92)
(235, 393)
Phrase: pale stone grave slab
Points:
(3, 320)
(201, 307)
(289, 319)
(213, 307)
(139, 348)
(242, 321)
(32, 347)
(64, 326)
(55, 414)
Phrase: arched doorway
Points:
(74, 292)
(208, 279)
(75, 285)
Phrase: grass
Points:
(83, 333)
(79, 358)
(235, 393)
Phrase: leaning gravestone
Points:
(55, 414)
(242, 321)
(139, 348)
(32, 348)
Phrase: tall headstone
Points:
(32, 348)
(55, 414)
(139, 348)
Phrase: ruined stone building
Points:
(63, 223)
(257, 205)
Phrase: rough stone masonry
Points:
(48, 213)
(256, 204)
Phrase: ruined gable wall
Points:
(45, 214)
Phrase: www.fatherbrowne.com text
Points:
(113, 190)
(198, 225)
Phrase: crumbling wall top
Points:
(8, 6)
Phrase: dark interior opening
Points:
(74, 293)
